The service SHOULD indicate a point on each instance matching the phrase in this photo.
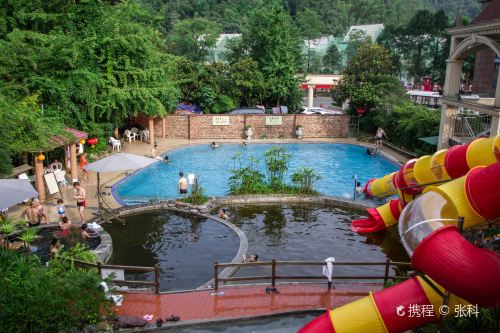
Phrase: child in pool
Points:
(61, 210)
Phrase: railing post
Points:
(460, 223)
(386, 274)
(216, 276)
(99, 268)
(157, 279)
(273, 273)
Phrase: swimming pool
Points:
(335, 163)
(184, 247)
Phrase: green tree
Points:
(332, 60)
(355, 39)
(369, 82)
(248, 82)
(309, 27)
(269, 38)
(32, 299)
(193, 38)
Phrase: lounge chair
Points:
(129, 135)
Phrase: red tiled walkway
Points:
(242, 301)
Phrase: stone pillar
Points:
(163, 134)
(495, 121)
(151, 125)
(73, 162)
(116, 133)
(40, 185)
(66, 158)
(450, 89)
(310, 95)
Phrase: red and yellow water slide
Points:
(429, 233)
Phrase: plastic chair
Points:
(115, 143)
(129, 135)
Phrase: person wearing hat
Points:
(35, 213)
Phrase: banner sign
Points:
(274, 120)
(220, 121)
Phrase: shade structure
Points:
(13, 191)
(120, 162)
(116, 163)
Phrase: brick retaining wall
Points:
(201, 127)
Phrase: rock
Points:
(131, 322)
(103, 327)
(89, 329)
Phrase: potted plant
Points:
(248, 132)
(299, 132)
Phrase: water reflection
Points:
(184, 247)
(312, 232)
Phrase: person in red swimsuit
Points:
(83, 163)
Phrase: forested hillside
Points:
(335, 15)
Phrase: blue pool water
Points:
(335, 163)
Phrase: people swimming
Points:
(359, 188)
(253, 258)
(215, 145)
(244, 144)
(223, 214)
(371, 150)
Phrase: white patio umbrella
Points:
(116, 163)
(13, 191)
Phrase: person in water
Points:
(253, 258)
(182, 184)
(222, 214)
(215, 145)
(359, 189)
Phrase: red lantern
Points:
(360, 111)
(92, 141)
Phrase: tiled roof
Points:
(490, 13)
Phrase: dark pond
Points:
(185, 247)
(312, 232)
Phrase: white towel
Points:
(328, 268)
(96, 227)
(191, 178)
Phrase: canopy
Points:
(432, 140)
(14, 191)
(120, 162)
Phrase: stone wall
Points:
(201, 126)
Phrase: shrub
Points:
(197, 195)
(304, 179)
(246, 179)
(277, 164)
(34, 300)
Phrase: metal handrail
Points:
(274, 263)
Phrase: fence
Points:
(469, 127)
(274, 276)
(155, 269)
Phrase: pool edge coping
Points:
(194, 323)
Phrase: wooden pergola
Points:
(69, 138)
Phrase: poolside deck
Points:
(242, 301)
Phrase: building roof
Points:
(490, 13)
(371, 30)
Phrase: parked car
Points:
(306, 110)
(248, 110)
